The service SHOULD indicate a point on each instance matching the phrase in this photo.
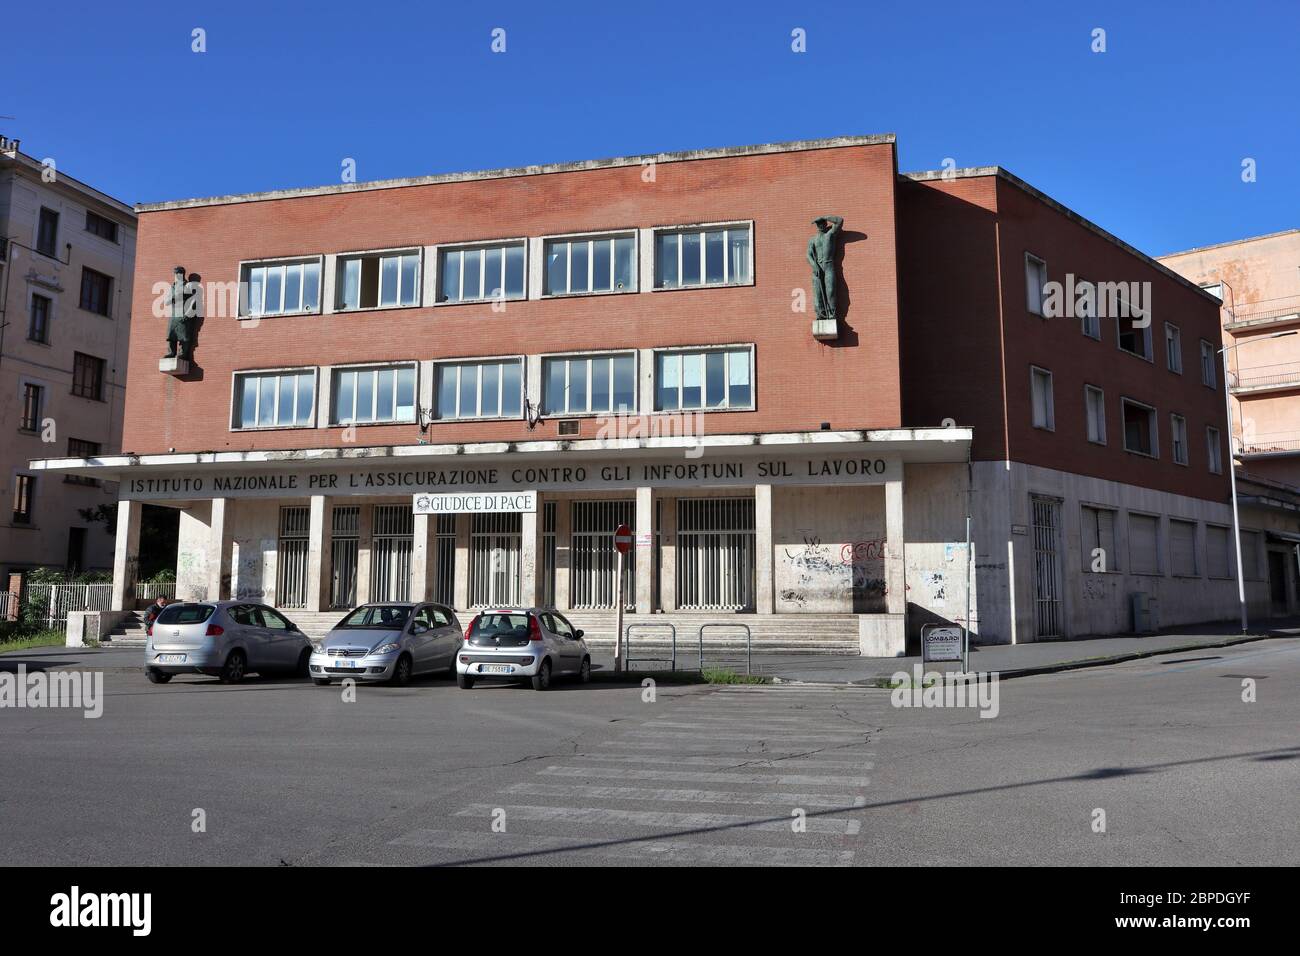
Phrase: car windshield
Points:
(185, 613)
(500, 625)
(385, 616)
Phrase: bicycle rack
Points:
(629, 659)
(749, 644)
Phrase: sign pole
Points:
(618, 628)
(965, 630)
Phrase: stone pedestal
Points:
(825, 330)
(174, 366)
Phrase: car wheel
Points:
(233, 671)
(542, 679)
(584, 672)
(320, 681)
(465, 681)
(304, 663)
(156, 676)
(401, 672)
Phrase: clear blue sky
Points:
(1147, 139)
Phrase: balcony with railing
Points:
(1274, 445)
(1265, 378)
(1266, 314)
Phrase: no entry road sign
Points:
(623, 539)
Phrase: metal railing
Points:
(749, 644)
(1266, 376)
(1279, 443)
(153, 590)
(628, 660)
(53, 602)
(1265, 312)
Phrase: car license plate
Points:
(171, 658)
(496, 669)
(344, 664)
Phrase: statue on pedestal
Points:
(183, 302)
(821, 256)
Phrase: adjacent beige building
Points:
(67, 252)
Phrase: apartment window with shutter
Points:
(24, 493)
(1041, 386)
(1140, 429)
(1218, 551)
(1173, 348)
(1208, 376)
(47, 233)
(32, 398)
(1178, 438)
(1035, 283)
(100, 226)
(1214, 449)
(87, 376)
(1182, 549)
(1144, 543)
(1094, 400)
(96, 291)
(38, 325)
(1097, 531)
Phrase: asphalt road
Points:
(285, 772)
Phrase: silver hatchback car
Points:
(523, 643)
(225, 639)
(388, 642)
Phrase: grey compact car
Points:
(389, 642)
(522, 643)
(226, 639)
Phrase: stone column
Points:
(563, 552)
(318, 554)
(668, 555)
(126, 554)
(763, 576)
(644, 556)
(365, 514)
(895, 576)
(462, 563)
(422, 558)
(530, 552)
(220, 547)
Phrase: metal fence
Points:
(153, 590)
(53, 602)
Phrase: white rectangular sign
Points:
(940, 643)
(475, 503)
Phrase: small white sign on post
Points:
(475, 503)
(941, 642)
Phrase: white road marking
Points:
(601, 816)
(712, 776)
(789, 800)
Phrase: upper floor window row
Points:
(583, 265)
(281, 288)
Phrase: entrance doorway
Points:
(345, 526)
(391, 538)
(592, 581)
(1047, 568)
(715, 554)
(495, 541)
(1278, 563)
(291, 567)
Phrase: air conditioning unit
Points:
(1146, 613)
(569, 426)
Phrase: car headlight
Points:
(318, 647)
(385, 648)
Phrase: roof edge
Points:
(1231, 242)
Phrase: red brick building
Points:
(631, 340)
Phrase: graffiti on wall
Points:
(822, 570)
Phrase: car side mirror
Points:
(578, 633)
(418, 629)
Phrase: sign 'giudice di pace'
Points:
(389, 478)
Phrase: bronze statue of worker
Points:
(821, 256)
(183, 303)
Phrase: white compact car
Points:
(390, 642)
(534, 644)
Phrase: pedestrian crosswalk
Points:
(765, 775)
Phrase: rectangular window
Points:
(33, 398)
(492, 389)
(1173, 348)
(476, 273)
(1144, 543)
(583, 265)
(38, 324)
(47, 233)
(1178, 438)
(1094, 401)
(1097, 532)
(1208, 376)
(1218, 551)
(588, 383)
(100, 226)
(1140, 428)
(1087, 307)
(279, 288)
(1214, 450)
(1250, 566)
(1182, 549)
(87, 376)
(96, 291)
(275, 399)
(1043, 411)
(381, 281)
(706, 379)
(1035, 283)
(714, 255)
(380, 394)
(24, 493)
(82, 449)
(1134, 338)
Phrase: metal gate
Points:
(444, 591)
(494, 552)
(391, 538)
(548, 553)
(291, 564)
(593, 556)
(344, 541)
(1047, 567)
(715, 554)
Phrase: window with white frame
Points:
(480, 389)
(1086, 304)
(379, 393)
(1178, 438)
(581, 384)
(1094, 402)
(708, 255)
(1208, 375)
(484, 271)
(1042, 405)
(1035, 283)
(381, 280)
(1173, 348)
(1214, 450)
(1140, 434)
(704, 379)
(578, 265)
(279, 399)
(1134, 335)
(1182, 549)
(280, 288)
(1097, 533)
(1144, 543)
